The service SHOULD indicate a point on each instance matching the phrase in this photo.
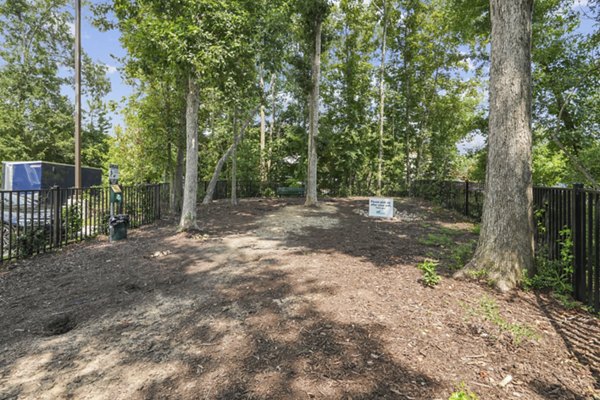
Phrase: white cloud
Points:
(110, 69)
(71, 26)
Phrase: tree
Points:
(314, 13)
(205, 40)
(381, 94)
(505, 248)
(36, 120)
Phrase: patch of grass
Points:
(489, 309)
(461, 255)
(477, 274)
(432, 255)
(463, 393)
(449, 231)
(476, 229)
(430, 277)
(436, 239)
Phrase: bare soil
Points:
(277, 301)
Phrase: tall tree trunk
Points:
(271, 127)
(190, 192)
(234, 199)
(178, 179)
(179, 166)
(210, 190)
(505, 248)
(381, 99)
(263, 125)
(313, 115)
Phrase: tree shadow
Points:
(579, 331)
(188, 323)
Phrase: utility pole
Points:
(77, 93)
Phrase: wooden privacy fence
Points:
(38, 221)
(559, 212)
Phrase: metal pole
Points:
(77, 93)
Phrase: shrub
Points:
(29, 242)
(430, 277)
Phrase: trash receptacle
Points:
(117, 227)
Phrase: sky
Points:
(105, 48)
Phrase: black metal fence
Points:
(37, 221)
(559, 213)
(244, 189)
(464, 197)
(248, 189)
(572, 212)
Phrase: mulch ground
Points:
(273, 300)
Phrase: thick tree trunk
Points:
(381, 100)
(210, 190)
(190, 192)
(505, 248)
(313, 115)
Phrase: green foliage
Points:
(430, 277)
(72, 220)
(247, 53)
(463, 393)
(36, 118)
(461, 254)
(437, 239)
(549, 167)
(269, 193)
(31, 241)
(555, 274)
(477, 273)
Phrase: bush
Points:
(268, 192)
(29, 242)
(430, 277)
(555, 274)
(71, 220)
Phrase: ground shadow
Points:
(177, 318)
(579, 331)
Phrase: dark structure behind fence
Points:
(37, 221)
(557, 211)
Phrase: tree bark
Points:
(271, 127)
(381, 100)
(188, 214)
(262, 166)
(178, 178)
(210, 190)
(313, 115)
(234, 199)
(505, 250)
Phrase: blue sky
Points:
(103, 47)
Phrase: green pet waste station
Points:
(117, 222)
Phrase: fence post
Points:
(56, 216)
(467, 197)
(158, 198)
(578, 238)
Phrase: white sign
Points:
(381, 207)
(113, 173)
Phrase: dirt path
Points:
(277, 301)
